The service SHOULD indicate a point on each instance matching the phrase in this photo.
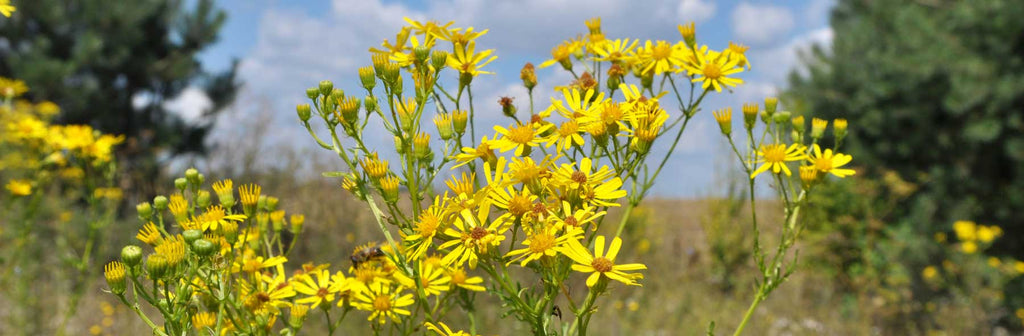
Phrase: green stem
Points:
(750, 312)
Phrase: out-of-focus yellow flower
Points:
(929, 272)
(969, 247)
(6, 8)
(10, 88)
(560, 54)
(204, 320)
(460, 279)
(965, 230)
(619, 50)
(19, 187)
(1018, 266)
(994, 262)
(986, 234)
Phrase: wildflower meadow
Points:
(543, 220)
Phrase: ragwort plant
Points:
(59, 197)
(526, 199)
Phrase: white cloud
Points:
(695, 10)
(775, 64)
(189, 104)
(760, 24)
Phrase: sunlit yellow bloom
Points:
(319, 291)
(601, 264)
(431, 279)
(579, 218)
(515, 202)
(522, 138)
(739, 51)
(202, 321)
(383, 303)
(460, 279)
(430, 27)
(19, 187)
(149, 234)
(269, 293)
(214, 217)
(774, 157)
(407, 58)
(526, 171)
(828, 162)
(399, 46)
(560, 54)
(713, 68)
(484, 151)
(566, 136)
(459, 36)
(468, 62)
(250, 263)
(579, 103)
(546, 242)
(442, 330)
(658, 57)
(616, 51)
(472, 236)
(426, 227)
(585, 177)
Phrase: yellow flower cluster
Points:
(653, 58)
(971, 234)
(28, 141)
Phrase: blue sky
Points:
(286, 46)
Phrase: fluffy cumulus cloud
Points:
(695, 10)
(761, 24)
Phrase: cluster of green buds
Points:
(210, 267)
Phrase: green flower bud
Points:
(203, 247)
(312, 92)
(325, 87)
(421, 53)
(160, 202)
(145, 211)
(272, 203)
(438, 59)
(782, 117)
(131, 255)
(337, 94)
(192, 175)
(770, 104)
(192, 235)
(366, 77)
(304, 112)
(180, 183)
(203, 199)
(370, 102)
(156, 266)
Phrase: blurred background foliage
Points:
(936, 89)
(113, 64)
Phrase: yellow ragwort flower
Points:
(712, 68)
(319, 291)
(383, 303)
(469, 63)
(601, 264)
(828, 162)
(774, 157)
